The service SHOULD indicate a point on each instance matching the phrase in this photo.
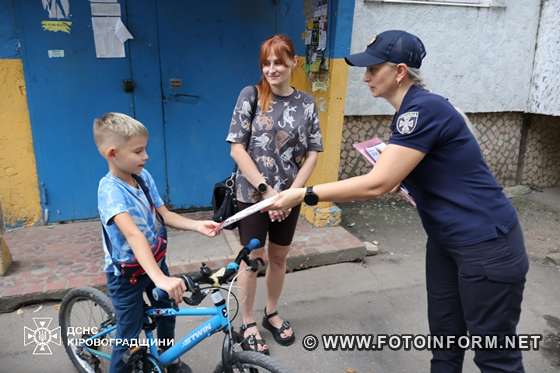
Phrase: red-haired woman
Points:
(275, 151)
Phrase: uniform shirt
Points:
(115, 196)
(278, 139)
(458, 198)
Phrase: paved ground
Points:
(384, 294)
(51, 259)
(396, 226)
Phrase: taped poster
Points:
(109, 34)
(106, 9)
(57, 9)
(57, 26)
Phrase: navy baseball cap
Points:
(390, 46)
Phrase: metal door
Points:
(68, 86)
(208, 52)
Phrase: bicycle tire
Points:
(65, 317)
(254, 360)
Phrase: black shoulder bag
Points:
(224, 201)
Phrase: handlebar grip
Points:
(252, 245)
(159, 294)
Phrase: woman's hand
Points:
(208, 228)
(273, 215)
(288, 199)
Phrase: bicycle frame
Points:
(216, 323)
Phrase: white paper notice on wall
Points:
(57, 9)
(322, 40)
(109, 34)
(122, 32)
(56, 53)
(308, 35)
(106, 9)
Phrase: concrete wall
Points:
(19, 191)
(541, 165)
(494, 63)
(481, 58)
(499, 135)
(545, 87)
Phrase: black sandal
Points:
(252, 343)
(277, 332)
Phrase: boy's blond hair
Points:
(113, 129)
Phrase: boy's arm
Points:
(172, 219)
(175, 287)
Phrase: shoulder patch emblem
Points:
(406, 123)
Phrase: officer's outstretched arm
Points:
(394, 164)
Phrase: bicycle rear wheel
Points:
(253, 362)
(87, 312)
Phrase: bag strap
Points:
(253, 113)
(146, 191)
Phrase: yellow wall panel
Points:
(19, 190)
(331, 116)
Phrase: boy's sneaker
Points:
(179, 367)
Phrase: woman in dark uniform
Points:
(476, 261)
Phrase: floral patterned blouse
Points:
(279, 138)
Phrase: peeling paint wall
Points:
(19, 190)
(481, 58)
(545, 86)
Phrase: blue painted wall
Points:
(8, 39)
(290, 20)
(66, 94)
(340, 24)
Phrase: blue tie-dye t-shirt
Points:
(115, 196)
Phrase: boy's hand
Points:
(208, 228)
(175, 287)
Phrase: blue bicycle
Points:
(88, 324)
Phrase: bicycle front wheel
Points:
(84, 313)
(252, 362)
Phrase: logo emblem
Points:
(406, 123)
(42, 336)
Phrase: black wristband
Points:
(262, 188)
(310, 199)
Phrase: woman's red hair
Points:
(283, 48)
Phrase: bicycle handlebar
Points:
(216, 278)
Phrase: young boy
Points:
(133, 217)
